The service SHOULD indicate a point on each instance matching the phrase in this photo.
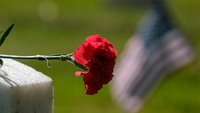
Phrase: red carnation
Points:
(98, 56)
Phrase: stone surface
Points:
(24, 90)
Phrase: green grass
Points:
(178, 93)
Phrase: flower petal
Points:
(79, 73)
(98, 56)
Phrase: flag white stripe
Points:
(158, 60)
(127, 67)
(147, 66)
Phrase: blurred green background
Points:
(60, 26)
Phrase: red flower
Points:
(98, 56)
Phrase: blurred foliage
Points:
(59, 26)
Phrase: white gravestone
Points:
(24, 90)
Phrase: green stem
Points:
(62, 57)
(38, 57)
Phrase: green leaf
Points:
(6, 33)
(1, 63)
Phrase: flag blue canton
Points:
(154, 25)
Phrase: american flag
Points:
(156, 49)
